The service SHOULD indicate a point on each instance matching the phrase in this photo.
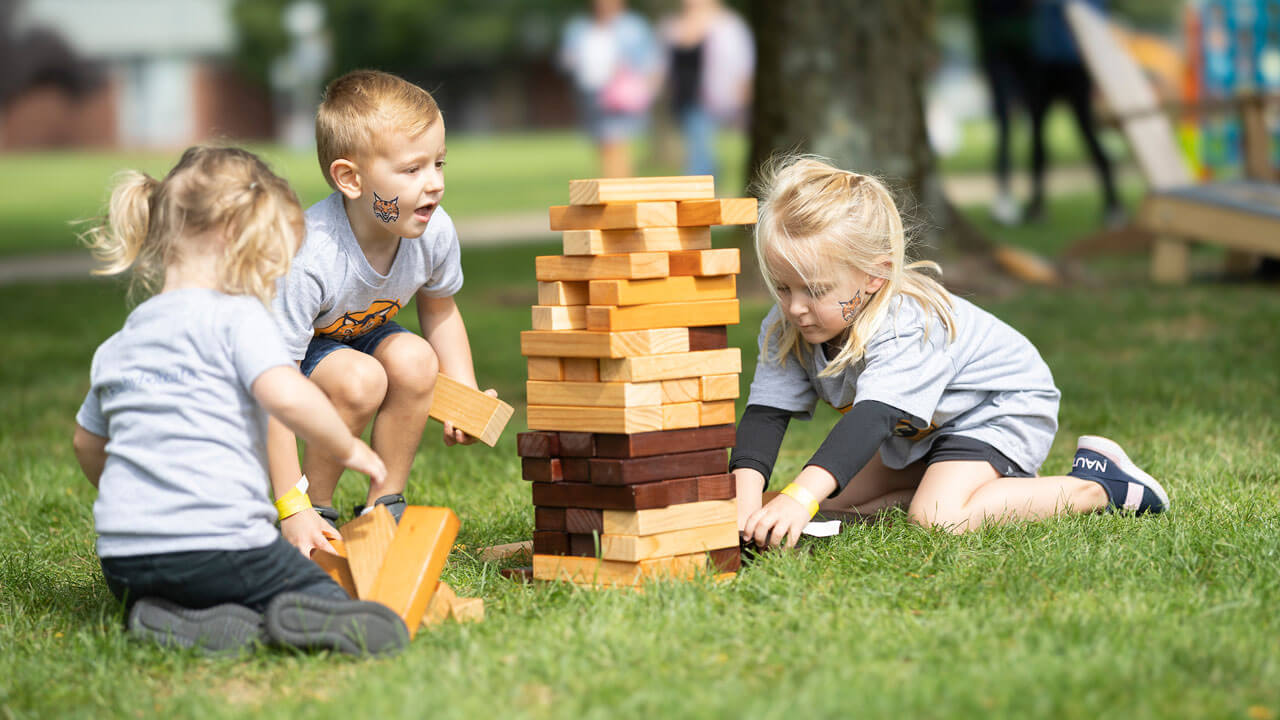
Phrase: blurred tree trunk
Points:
(845, 79)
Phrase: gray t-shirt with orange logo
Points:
(989, 384)
(332, 291)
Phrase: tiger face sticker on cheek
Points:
(388, 211)
(849, 308)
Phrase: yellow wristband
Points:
(292, 503)
(796, 492)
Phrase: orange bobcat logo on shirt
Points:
(354, 324)
(904, 428)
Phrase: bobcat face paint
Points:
(388, 211)
(849, 308)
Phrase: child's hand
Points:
(783, 518)
(454, 436)
(307, 531)
(363, 459)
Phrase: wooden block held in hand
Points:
(686, 288)
(724, 261)
(471, 411)
(336, 567)
(547, 368)
(367, 538)
(590, 344)
(662, 315)
(725, 211)
(597, 191)
(657, 239)
(412, 567)
(560, 292)
(613, 216)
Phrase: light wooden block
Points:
(657, 239)
(471, 411)
(640, 189)
(339, 546)
(594, 394)
(559, 317)
(438, 608)
(718, 387)
(577, 418)
(336, 567)
(603, 267)
(594, 571)
(678, 416)
(675, 517)
(681, 390)
(725, 211)
(613, 216)
(414, 561)
(581, 369)
(547, 368)
(367, 538)
(669, 366)
(720, 412)
(724, 261)
(592, 344)
(634, 548)
(467, 609)
(496, 553)
(562, 292)
(684, 288)
(662, 315)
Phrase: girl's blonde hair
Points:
(814, 216)
(225, 192)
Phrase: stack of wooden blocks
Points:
(632, 384)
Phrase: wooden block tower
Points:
(632, 384)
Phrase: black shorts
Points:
(959, 447)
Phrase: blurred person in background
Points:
(711, 56)
(615, 62)
(1003, 30)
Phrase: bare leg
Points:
(875, 488)
(411, 367)
(355, 384)
(959, 495)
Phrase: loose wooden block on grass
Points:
(580, 370)
(594, 394)
(604, 267)
(685, 288)
(639, 189)
(668, 366)
(537, 444)
(412, 567)
(591, 344)
(336, 567)
(718, 387)
(558, 317)
(634, 548)
(715, 337)
(725, 211)
(661, 315)
(560, 292)
(438, 609)
(613, 216)
(596, 419)
(609, 471)
(367, 539)
(497, 553)
(476, 414)
(720, 412)
(676, 517)
(724, 261)
(547, 368)
(467, 609)
(652, 443)
(657, 239)
(621, 497)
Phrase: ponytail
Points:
(119, 241)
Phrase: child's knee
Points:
(950, 519)
(411, 366)
(358, 386)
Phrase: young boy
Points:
(379, 240)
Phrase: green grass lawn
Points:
(1080, 617)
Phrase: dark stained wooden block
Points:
(620, 497)
(583, 520)
(725, 560)
(549, 519)
(547, 470)
(629, 471)
(523, 573)
(547, 542)
(583, 544)
(537, 444)
(577, 469)
(664, 442)
(716, 487)
(711, 337)
(577, 444)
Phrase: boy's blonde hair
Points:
(359, 108)
(225, 192)
(813, 216)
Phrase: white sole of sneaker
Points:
(1111, 450)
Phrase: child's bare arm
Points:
(444, 330)
(91, 452)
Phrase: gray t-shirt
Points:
(186, 440)
(332, 291)
(990, 384)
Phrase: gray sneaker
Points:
(395, 504)
(354, 627)
(221, 629)
(330, 515)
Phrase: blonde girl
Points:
(947, 410)
(172, 430)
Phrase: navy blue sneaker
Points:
(1128, 487)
